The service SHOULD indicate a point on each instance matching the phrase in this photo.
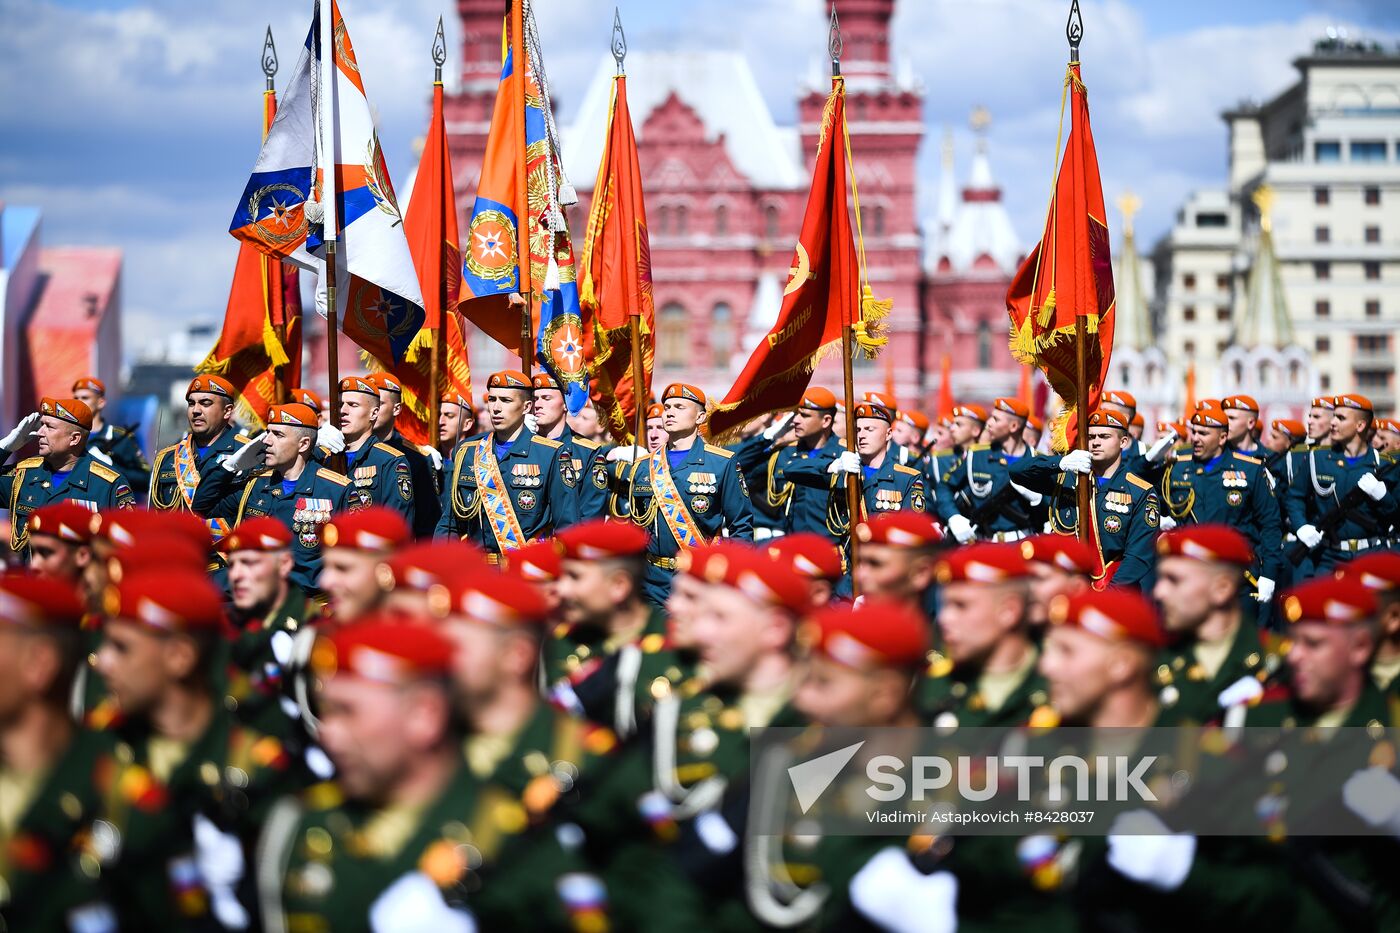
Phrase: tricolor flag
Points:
(321, 169)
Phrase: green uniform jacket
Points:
(948, 696)
(1189, 695)
(29, 484)
(256, 681)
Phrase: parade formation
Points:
(381, 658)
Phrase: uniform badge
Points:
(1149, 514)
(404, 479)
(526, 500)
(1112, 524)
(569, 473)
(1234, 497)
(700, 504)
(916, 499)
(600, 476)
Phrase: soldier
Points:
(424, 463)
(379, 473)
(1035, 430)
(1284, 434)
(422, 566)
(687, 494)
(817, 560)
(354, 548)
(312, 400)
(1125, 505)
(1060, 565)
(986, 675)
(1243, 433)
(456, 423)
(49, 799)
(60, 536)
(656, 427)
(803, 436)
(1137, 426)
(64, 470)
(539, 565)
(1387, 436)
(507, 487)
(275, 475)
(908, 431)
(898, 553)
(117, 443)
(1324, 479)
(176, 470)
(969, 421)
(1379, 572)
(587, 424)
(1221, 485)
(585, 469)
(886, 484)
(1319, 420)
(977, 497)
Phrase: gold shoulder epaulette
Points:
(29, 463)
(546, 441)
(906, 470)
(1247, 458)
(978, 447)
(104, 472)
(334, 477)
(941, 452)
(726, 454)
(387, 449)
(586, 443)
(241, 438)
(1139, 482)
(1301, 449)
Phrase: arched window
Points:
(984, 345)
(770, 222)
(721, 335)
(877, 224)
(681, 219)
(721, 220)
(672, 336)
(663, 220)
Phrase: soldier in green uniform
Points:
(1379, 572)
(424, 463)
(976, 497)
(1221, 485)
(64, 470)
(687, 494)
(117, 443)
(1125, 504)
(276, 476)
(508, 487)
(805, 435)
(379, 474)
(816, 559)
(1059, 565)
(354, 549)
(60, 536)
(897, 555)
(582, 461)
(176, 470)
(49, 799)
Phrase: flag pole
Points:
(439, 348)
(634, 320)
(269, 67)
(330, 220)
(853, 497)
(522, 201)
(1074, 32)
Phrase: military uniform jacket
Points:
(120, 445)
(382, 475)
(29, 484)
(1188, 695)
(426, 484)
(949, 697)
(981, 476)
(1125, 514)
(256, 682)
(318, 494)
(584, 468)
(803, 507)
(178, 468)
(535, 490)
(893, 487)
(1322, 478)
(1233, 489)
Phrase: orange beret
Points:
(492, 597)
(1107, 418)
(656, 410)
(1119, 397)
(457, 398)
(64, 519)
(1333, 600)
(1065, 552)
(975, 412)
(39, 603)
(881, 398)
(376, 528)
(536, 562)
(1378, 571)
(818, 399)
(1240, 403)
(1112, 614)
(1386, 424)
(1036, 422)
(1325, 401)
(362, 384)
(213, 385)
(179, 599)
(682, 390)
(1289, 426)
(508, 379)
(874, 410)
(544, 379)
(1351, 400)
(296, 414)
(905, 528)
(308, 398)
(915, 419)
(986, 562)
(426, 564)
(92, 384)
(880, 633)
(810, 554)
(386, 382)
(67, 409)
(600, 539)
(263, 533)
(385, 649)
(1138, 421)
(1216, 544)
(1012, 406)
(1210, 417)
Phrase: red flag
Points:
(823, 292)
(262, 324)
(615, 288)
(945, 387)
(1068, 277)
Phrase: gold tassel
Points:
(272, 346)
(1091, 323)
(423, 340)
(869, 331)
(213, 365)
(1023, 344)
(1047, 310)
(1059, 432)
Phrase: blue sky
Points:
(135, 123)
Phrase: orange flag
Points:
(1068, 277)
(945, 387)
(1190, 394)
(430, 224)
(615, 277)
(262, 325)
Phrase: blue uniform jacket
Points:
(29, 484)
(1322, 477)
(120, 445)
(979, 476)
(1234, 489)
(765, 469)
(427, 485)
(892, 487)
(534, 478)
(382, 475)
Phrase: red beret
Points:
(178, 599)
(92, 384)
(810, 554)
(915, 419)
(1112, 614)
(763, 578)
(1289, 426)
(708, 562)
(489, 596)
(1119, 397)
(975, 412)
(1216, 544)
(1012, 406)
(308, 398)
(64, 519)
(377, 528)
(426, 564)
(1325, 401)
(385, 649)
(1065, 552)
(1359, 402)
(682, 390)
(294, 413)
(263, 533)
(213, 385)
(1209, 416)
(906, 528)
(656, 410)
(38, 602)
(1378, 571)
(508, 379)
(122, 527)
(362, 384)
(818, 399)
(386, 382)
(878, 633)
(67, 409)
(1107, 418)
(874, 410)
(600, 539)
(544, 379)
(1240, 403)
(154, 551)
(1334, 600)
(986, 562)
(536, 562)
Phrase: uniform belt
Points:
(1352, 545)
(1008, 535)
(665, 563)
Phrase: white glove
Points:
(1374, 795)
(847, 462)
(247, 457)
(961, 529)
(903, 456)
(532, 423)
(1030, 495)
(23, 432)
(413, 904)
(1160, 861)
(219, 856)
(1167, 522)
(1309, 535)
(1077, 461)
(777, 428)
(1241, 691)
(331, 438)
(283, 649)
(1371, 486)
(99, 456)
(1265, 590)
(1160, 446)
(898, 897)
(628, 454)
(434, 455)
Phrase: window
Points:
(681, 213)
(1324, 344)
(1368, 150)
(1322, 235)
(1372, 343)
(1322, 308)
(1220, 347)
(1222, 283)
(1322, 196)
(673, 336)
(1371, 194)
(770, 222)
(1188, 280)
(663, 221)
(721, 220)
(877, 226)
(1372, 270)
(1327, 152)
(1212, 220)
(1322, 270)
(1373, 234)
(984, 345)
(1373, 307)
(1324, 381)
(1188, 313)
(1371, 379)
(721, 335)
(1222, 313)
(1189, 348)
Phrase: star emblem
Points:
(568, 349)
(489, 243)
(279, 212)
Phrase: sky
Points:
(135, 124)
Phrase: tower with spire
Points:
(1139, 365)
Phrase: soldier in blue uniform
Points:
(1243, 435)
(582, 461)
(1324, 476)
(210, 402)
(118, 444)
(806, 435)
(507, 487)
(379, 473)
(1220, 485)
(976, 497)
(275, 475)
(687, 494)
(1125, 504)
(424, 463)
(63, 470)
